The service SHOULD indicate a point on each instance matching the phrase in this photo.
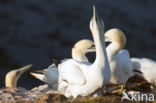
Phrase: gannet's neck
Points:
(81, 48)
(12, 78)
(101, 55)
(101, 59)
(113, 49)
(117, 39)
(79, 55)
(11, 81)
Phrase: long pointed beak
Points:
(25, 68)
(94, 13)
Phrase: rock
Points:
(14, 95)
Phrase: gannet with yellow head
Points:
(117, 37)
(81, 48)
(12, 77)
(84, 78)
(50, 75)
(119, 58)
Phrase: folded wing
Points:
(71, 73)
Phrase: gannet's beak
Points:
(94, 14)
(97, 20)
(94, 20)
(23, 69)
(13, 76)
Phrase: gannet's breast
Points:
(121, 67)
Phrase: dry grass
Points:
(104, 99)
(19, 95)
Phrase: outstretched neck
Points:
(79, 56)
(101, 56)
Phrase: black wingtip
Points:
(137, 71)
(56, 62)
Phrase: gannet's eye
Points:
(92, 46)
(18, 72)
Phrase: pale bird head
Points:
(115, 35)
(84, 46)
(95, 23)
(12, 77)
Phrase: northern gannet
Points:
(12, 77)
(147, 67)
(83, 79)
(119, 59)
(50, 75)
(81, 48)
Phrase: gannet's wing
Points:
(48, 75)
(142, 63)
(126, 62)
(147, 67)
(70, 72)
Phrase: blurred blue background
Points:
(35, 31)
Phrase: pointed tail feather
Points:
(39, 74)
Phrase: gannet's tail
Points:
(39, 74)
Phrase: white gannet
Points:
(147, 67)
(50, 75)
(12, 77)
(81, 48)
(119, 59)
(82, 79)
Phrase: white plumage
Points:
(81, 48)
(82, 79)
(147, 67)
(50, 75)
(119, 59)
